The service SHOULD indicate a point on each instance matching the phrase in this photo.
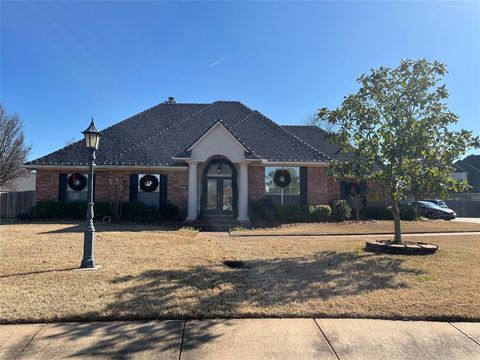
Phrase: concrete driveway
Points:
(470, 220)
(243, 339)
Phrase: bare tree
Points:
(117, 189)
(325, 125)
(70, 142)
(357, 201)
(13, 151)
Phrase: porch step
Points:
(214, 224)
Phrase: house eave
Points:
(295, 163)
(106, 167)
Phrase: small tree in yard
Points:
(116, 190)
(13, 151)
(396, 128)
(357, 200)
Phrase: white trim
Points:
(106, 167)
(211, 129)
(294, 163)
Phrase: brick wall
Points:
(177, 186)
(177, 189)
(256, 182)
(112, 184)
(322, 189)
(46, 185)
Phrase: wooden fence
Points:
(465, 208)
(16, 202)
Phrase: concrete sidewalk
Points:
(243, 339)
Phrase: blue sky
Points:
(62, 62)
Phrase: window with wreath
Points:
(282, 184)
(148, 190)
(77, 186)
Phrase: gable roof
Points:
(155, 136)
(471, 166)
(211, 127)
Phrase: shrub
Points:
(290, 214)
(263, 209)
(134, 210)
(168, 211)
(25, 216)
(319, 213)
(408, 213)
(76, 210)
(341, 211)
(49, 210)
(102, 209)
(377, 213)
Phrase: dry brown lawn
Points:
(363, 227)
(150, 273)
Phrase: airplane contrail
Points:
(219, 61)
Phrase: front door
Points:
(219, 196)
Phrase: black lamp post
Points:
(92, 140)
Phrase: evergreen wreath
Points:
(77, 182)
(282, 178)
(148, 183)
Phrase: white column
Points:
(192, 190)
(243, 193)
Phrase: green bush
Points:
(341, 211)
(319, 213)
(59, 210)
(290, 214)
(49, 210)
(25, 216)
(408, 213)
(76, 210)
(134, 210)
(168, 212)
(102, 209)
(263, 209)
(377, 213)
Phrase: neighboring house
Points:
(207, 159)
(24, 183)
(469, 169)
(467, 203)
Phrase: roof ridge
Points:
(243, 119)
(149, 109)
(37, 161)
(294, 136)
(161, 131)
(110, 127)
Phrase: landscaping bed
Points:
(154, 273)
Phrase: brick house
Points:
(210, 160)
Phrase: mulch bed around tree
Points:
(405, 248)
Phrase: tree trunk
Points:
(396, 223)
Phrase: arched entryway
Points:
(219, 195)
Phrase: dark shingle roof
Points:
(154, 136)
(317, 138)
(470, 165)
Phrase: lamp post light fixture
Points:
(92, 140)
